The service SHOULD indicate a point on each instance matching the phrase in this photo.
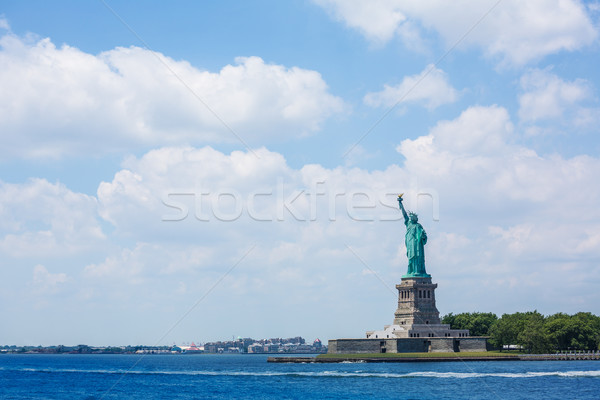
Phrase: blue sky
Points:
(239, 161)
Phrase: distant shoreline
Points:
(294, 345)
(157, 353)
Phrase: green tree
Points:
(580, 331)
(590, 339)
(505, 331)
(481, 323)
(477, 323)
(449, 319)
(532, 337)
(530, 330)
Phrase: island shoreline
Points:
(391, 359)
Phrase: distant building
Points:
(256, 348)
(274, 345)
(192, 349)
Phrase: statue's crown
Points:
(412, 214)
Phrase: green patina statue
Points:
(415, 240)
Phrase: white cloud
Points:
(124, 265)
(152, 260)
(39, 218)
(477, 148)
(378, 20)
(45, 282)
(512, 31)
(185, 174)
(4, 23)
(522, 215)
(58, 101)
(429, 88)
(547, 97)
(594, 7)
(471, 144)
(357, 154)
(501, 205)
(507, 229)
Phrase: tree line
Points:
(531, 331)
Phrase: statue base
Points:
(416, 301)
(416, 327)
(417, 315)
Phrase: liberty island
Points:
(416, 326)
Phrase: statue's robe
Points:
(415, 240)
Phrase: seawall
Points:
(523, 357)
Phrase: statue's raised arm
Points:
(402, 208)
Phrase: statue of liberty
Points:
(415, 240)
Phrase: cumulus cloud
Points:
(120, 266)
(547, 97)
(360, 15)
(39, 218)
(4, 23)
(500, 205)
(60, 100)
(478, 147)
(429, 88)
(287, 238)
(293, 239)
(45, 282)
(147, 261)
(523, 196)
(511, 31)
(514, 206)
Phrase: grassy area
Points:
(418, 355)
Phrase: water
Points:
(250, 377)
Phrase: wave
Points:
(466, 375)
(326, 374)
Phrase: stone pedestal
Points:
(416, 326)
(417, 316)
(416, 302)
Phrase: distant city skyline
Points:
(295, 345)
(209, 170)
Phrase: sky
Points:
(196, 171)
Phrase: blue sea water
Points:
(205, 376)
